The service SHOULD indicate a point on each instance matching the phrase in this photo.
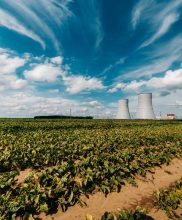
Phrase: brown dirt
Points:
(23, 175)
(128, 198)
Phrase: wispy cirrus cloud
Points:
(89, 21)
(139, 8)
(166, 24)
(12, 23)
(35, 19)
(158, 16)
(99, 32)
(40, 20)
(96, 22)
(155, 66)
(111, 66)
(157, 60)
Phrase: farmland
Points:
(170, 199)
(70, 158)
(167, 199)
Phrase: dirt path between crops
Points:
(129, 197)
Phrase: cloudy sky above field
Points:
(88, 54)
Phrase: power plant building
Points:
(123, 110)
(145, 108)
(171, 116)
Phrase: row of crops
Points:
(70, 158)
(168, 199)
(138, 214)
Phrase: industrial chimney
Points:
(123, 110)
(145, 109)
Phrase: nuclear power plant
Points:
(123, 110)
(144, 109)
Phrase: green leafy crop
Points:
(70, 158)
(138, 214)
(170, 199)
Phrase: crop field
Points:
(66, 159)
(168, 199)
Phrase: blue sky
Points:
(88, 54)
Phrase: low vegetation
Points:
(69, 158)
(167, 199)
(170, 200)
(138, 214)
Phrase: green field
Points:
(69, 158)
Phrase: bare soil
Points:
(23, 175)
(129, 198)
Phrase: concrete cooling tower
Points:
(123, 110)
(145, 108)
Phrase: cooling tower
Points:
(145, 108)
(123, 110)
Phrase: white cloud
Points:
(120, 61)
(157, 16)
(168, 104)
(57, 60)
(111, 66)
(99, 32)
(18, 84)
(117, 87)
(12, 23)
(131, 86)
(91, 10)
(43, 72)
(155, 66)
(33, 17)
(134, 85)
(107, 69)
(9, 63)
(56, 10)
(26, 104)
(140, 7)
(172, 80)
(159, 60)
(168, 21)
(76, 84)
(94, 104)
(52, 70)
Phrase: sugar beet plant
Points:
(138, 214)
(74, 157)
(170, 200)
